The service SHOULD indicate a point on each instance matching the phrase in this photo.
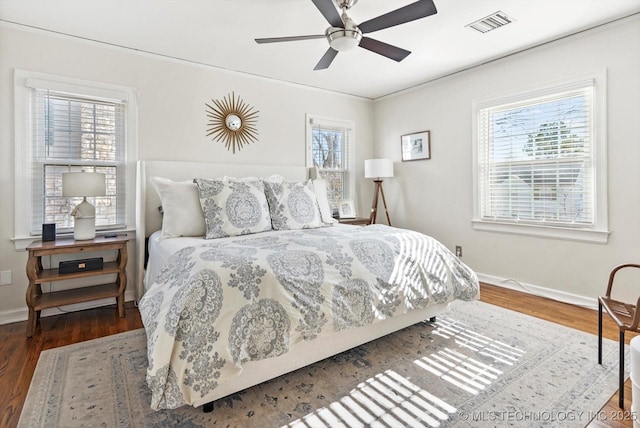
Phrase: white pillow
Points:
(292, 205)
(320, 188)
(233, 207)
(182, 213)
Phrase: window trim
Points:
(599, 232)
(23, 81)
(310, 120)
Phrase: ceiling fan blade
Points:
(384, 49)
(326, 59)
(329, 11)
(408, 13)
(288, 39)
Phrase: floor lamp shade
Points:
(83, 184)
(378, 168)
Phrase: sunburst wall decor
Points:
(232, 122)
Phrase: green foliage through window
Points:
(536, 161)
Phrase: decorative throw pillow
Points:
(292, 205)
(233, 207)
(181, 210)
(320, 189)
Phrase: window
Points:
(539, 159)
(70, 126)
(72, 134)
(329, 150)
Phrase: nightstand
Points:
(358, 221)
(37, 300)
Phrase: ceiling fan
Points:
(344, 34)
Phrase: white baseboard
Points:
(22, 314)
(17, 315)
(536, 290)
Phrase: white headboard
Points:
(148, 218)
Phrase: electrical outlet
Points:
(458, 251)
(5, 277)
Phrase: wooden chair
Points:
(625, 315)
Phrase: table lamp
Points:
(83, 184)
(378, 169)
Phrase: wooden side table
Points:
(358, 221)
(37, 300)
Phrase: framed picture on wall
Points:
(346, 209)
(416, 146)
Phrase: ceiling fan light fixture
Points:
(343, 39)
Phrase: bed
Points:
(235, 308)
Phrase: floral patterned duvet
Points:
(224, 302)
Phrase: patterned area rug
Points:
(478, 365)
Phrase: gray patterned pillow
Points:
(233, 207)
(292, 205)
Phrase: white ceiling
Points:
(221, 33)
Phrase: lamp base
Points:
(84, 228)
(84, 225)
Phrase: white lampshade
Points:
(83, 184)
(378, 168)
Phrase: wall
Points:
(432, 196)
(435, 196)
(171, 115)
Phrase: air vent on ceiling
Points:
(491, 22)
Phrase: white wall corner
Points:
(536, 290)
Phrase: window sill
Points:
(582, 235)
(21, 243)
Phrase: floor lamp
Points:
(378, 169)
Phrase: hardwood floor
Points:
(571, 316)
(19, 355)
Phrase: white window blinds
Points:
(536, 159)
(73, 132)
